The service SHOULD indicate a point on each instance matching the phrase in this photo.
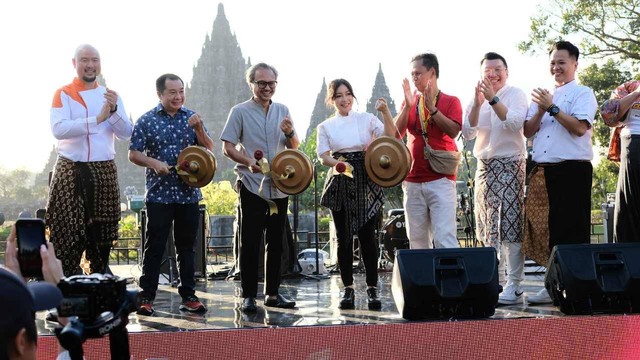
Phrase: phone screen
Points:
(30, 235)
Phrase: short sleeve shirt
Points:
(250, 128)
(162, 137)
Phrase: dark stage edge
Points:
(317, 304)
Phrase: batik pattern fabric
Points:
(83, 212)
(499, 200)
(359, 196)
(536, 226)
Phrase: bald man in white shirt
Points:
(84, 199)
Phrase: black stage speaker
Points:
(170, 249)
(595, 278)
(446, 283)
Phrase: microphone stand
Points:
(316, 274)
(470, 230)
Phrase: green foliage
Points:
(128, 227)
(17, 193)
(305, 200)
(323, 223)
(603, 79)
(605, 179)
(220, 198)
(606, 27)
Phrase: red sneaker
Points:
(192, 303)
(145, 307)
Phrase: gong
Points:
(196, 166)
(387, 161)
(291, 171)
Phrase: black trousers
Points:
(368, 248)
(256, 221)
(184, 218)
(626, 219)
(569, 189)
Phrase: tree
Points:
(305, 199)
(606, 27)
(603, 79)
(220, 198)
(605, 179)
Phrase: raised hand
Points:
(195, 121)
(486, 88)
(408, 96)
(286, 125)
(381, 105)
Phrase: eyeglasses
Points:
(263, 84)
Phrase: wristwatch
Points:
(553, 110)
(290, 135)
(114, 110)
(494, 100)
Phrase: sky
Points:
(305, 40)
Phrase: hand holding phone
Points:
(30, 235)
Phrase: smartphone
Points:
(30, 235)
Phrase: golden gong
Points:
(291, 171)
(196, 166)
(387, 161)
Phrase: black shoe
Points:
(372, 299)
(249, 305)
(144, 306)
(348, 299)
(279, 301)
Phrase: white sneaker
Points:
(542, 297)
(510, 295)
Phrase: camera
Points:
(96, 305)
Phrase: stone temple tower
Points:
(380, 90)
(218, 83)
(321, 111)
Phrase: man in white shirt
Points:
(494, 118)
(84, 199)
(561, 181)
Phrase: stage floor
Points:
(317, 304)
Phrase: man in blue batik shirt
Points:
(158, 138)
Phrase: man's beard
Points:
(88, 79)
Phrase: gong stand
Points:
(292, 172)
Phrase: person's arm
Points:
(389, 126)
(447, 125)
(119, 120)
(626, 102)
(64, 127)
(230, 151)
(544, 99)
(286, 126)
(402, 118)
(327, 160)
(203, 138)
(141, 159)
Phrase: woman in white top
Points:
(495, 119)
(623, 110)
(354, 200)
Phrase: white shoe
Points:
(542, 297)
(510, 295)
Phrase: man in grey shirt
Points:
(259, 124)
